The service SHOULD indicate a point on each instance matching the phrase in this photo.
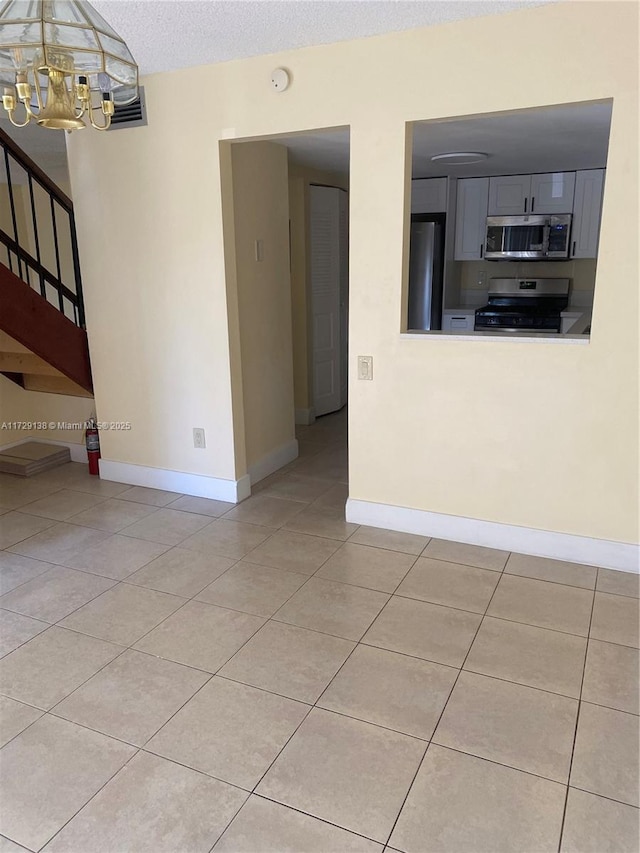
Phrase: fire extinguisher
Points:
(93, 446)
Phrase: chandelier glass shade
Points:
(61, 64)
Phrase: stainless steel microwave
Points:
(540, 237)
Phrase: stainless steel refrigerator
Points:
(426, 271)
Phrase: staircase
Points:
(43, 342)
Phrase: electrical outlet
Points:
(365, 367)
(482, 278)
(198, 438)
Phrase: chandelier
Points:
(61, 63)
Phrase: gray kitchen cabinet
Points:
(429, 195)
(471, 218)
(552, 192)
(461, 320)
(515, 195)
(509, 195)
(585, 232)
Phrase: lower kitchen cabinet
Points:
(459, 320)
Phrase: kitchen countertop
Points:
(581, 317)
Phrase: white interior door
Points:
(324, 216)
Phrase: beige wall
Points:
(542, 435)
(261, 213)
(300, 178)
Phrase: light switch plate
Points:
(365, 367)
(198, 438)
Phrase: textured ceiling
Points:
(168, 34)
(174, 34)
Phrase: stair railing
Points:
(56, 277)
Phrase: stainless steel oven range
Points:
(523, 305)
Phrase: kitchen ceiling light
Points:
(62, 61)
(461, 158)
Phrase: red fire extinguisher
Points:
(93, 446)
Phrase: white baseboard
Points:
(78, 451)
(273, 461)
(491, 534)
(305, 416)
(197, 485)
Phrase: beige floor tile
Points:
(361, 773)
(597, 825)
(333, 608)
(616, 619)
(606, 757)
(14, 718)
(123, 614)
(254, 589)
(58, 542)
(16, 491)
(468, 555)
(271, 828)
(377, 537)
(227, 538)
(611, 676)
(317, 524)
(463, 804)
(391, 690)
(75, 475)
(54, 594)
(61, 505)
(265, 510)
(132, 697)
(619, 583)
(451, 584)
(324, 465)
(374, 568)
(153, 497)
(167, 526)
(201, 506)
(16, 629)
(113, 515)
(47, 668)
(333, 501)
(295, 552)
(152, 806)
(518, 726)
(534, 602)
(557, 571)
(429, 631)
(67, 766)
(181, 572)
(201, 635)
(290, 661)
(16, 570)
(296, 488)
(15, 527)
(7, 846)
(116, 557)
(536, 657)
(230, 731)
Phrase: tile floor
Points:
(182, 675)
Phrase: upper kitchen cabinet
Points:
(585, 232)
(553, 192)
(509, 195)
(429, 195)
(515, 195)
(471, 218)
